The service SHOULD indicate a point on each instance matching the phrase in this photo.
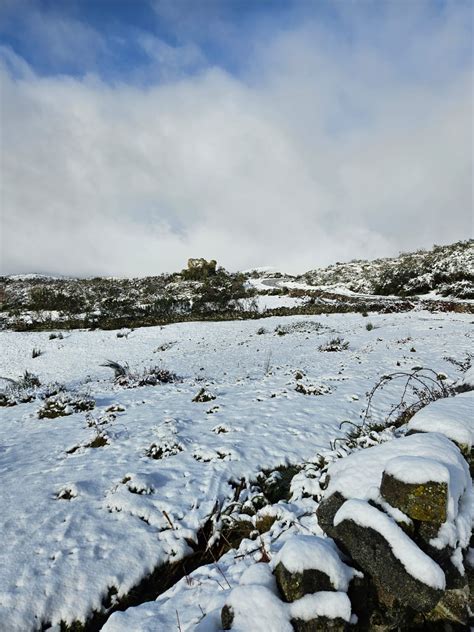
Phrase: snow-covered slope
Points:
(82, 523)
(445, 270)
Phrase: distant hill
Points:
(441, 278)
(446, 270)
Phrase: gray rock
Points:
(373, 553)
(326, 511)
(320, 624)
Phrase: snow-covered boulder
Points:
(402, 511)
(395, 563)
(359, 476)
(417, 486)
(321, 612)
(309, 564)
(452, 417)
(254, 607)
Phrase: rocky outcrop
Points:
(408, 534)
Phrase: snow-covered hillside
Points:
(443, 270)
(442, 278)
(94, 500)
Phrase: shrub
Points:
(36, 353)
(22, 391)
(64, 404)
(336, 344)
(53, 336)
(151, 376)
(369, 326)
(419, 387)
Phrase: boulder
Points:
(309, 564)
(369, 548)
(327, 509)
(426, 502)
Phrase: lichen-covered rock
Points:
(421, 501)
(293, 586)
(374, 553)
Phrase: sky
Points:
(289, 133)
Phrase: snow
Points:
(417, 470)
(259, 574)
(452, 417)
(359, 476)
(468, 378)
(416, 563)
(258, 609)
(332, 605)
(128, 512)
(267, 301)
(301, 553)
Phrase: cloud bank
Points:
(326, 144)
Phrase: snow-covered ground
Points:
(77, 521)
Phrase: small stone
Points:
(227, 617)
(203, 396)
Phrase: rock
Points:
(310, 564)
(326, 511)
(255, 608)
(374, 554)
(227, 617)
(452, 607)
(426, 531)
(293, 586)
(420, 501)
(363, 598)
(203, 396)
(320, 624)
(320, 612)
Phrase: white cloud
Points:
(319, 153)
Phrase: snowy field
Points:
(78, 521)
